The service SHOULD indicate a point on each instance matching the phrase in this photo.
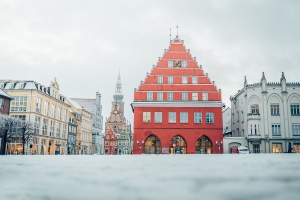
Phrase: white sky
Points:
(85, 43)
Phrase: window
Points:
(204, 96)
(170, 79)
(45, 127)
(37, 124)
(275, 109)
(58, 113)
(46, 108)
(149, 96)
(172, 117)
(160, 96)
(160, 80)
(294, 109)
(1, 103)
(170, 96)
(38, 105)
(194, 79)
(170, 64)
(184, 96)
(183, 117)
(254, 109)
(184, 80)
(197, 117)
(296, 129)
(276, 130)
(158, 117)
(19, 104)
(195, 96)
(209, 117)
(184, 64)
(52, 124)
(276, 148)
(65, 119)
(53, 111)
(58, 130)
(146, 117)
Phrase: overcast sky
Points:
(85, 43)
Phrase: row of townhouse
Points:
(61, 127)
(264, 116)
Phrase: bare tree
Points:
(13, 128)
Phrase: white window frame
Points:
(255, 109)
(275, 109)
(209, 117)
(276, 131)
(172, 117)
(170, 79)
(157, 117)
(184, 64)
(195, 96)
(160, 96)
(170, 63)
(184, 80)
(198, 117)
(1, 103)
(149, 96)
(296, 129)
(295, 109)
(184, 117)
(160, 79)
(146, 117)
(185, 96)
(170, 96)
(204, 96)
(195, 79)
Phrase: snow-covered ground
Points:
(252, 176)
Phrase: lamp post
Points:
(140, 145)
(219, 145)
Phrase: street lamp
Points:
(219, 145)
(140, 145)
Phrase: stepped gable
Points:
(182, 64)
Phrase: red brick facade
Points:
(177, 109)
(110, 143)
(6, 105)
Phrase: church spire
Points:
(245, 81)
(282, 77)
(118, 96)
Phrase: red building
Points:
(110, 143)
(177, 109)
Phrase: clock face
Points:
(177, 63)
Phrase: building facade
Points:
(110, 143)
(117, 122)
(43, 106)
(84, 122)
(94, 106)
(4, 110)
(267, 115)
(72, 133)
(177, 108)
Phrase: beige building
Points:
(84, 128)
(43, 105)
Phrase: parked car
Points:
(243, 150)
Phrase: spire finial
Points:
(177, 28)
(170, 35)
(245, 81)
(263, 78)
(282, 77)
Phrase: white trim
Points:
(215, 104)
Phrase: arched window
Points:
(152, 145)
(177, 145)
(203, 145)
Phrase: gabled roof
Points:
(2, 93)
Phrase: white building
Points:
(267, 115)
(94, 106)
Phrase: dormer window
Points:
(11, 86)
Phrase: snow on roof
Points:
(2, 93)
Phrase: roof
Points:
(74, 103)
(2, 93)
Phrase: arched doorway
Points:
(177, 145)
(152, 145)
(203, 145)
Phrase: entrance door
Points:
(152, 145)
(177, 145)
(256, 148)
(203, 145)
